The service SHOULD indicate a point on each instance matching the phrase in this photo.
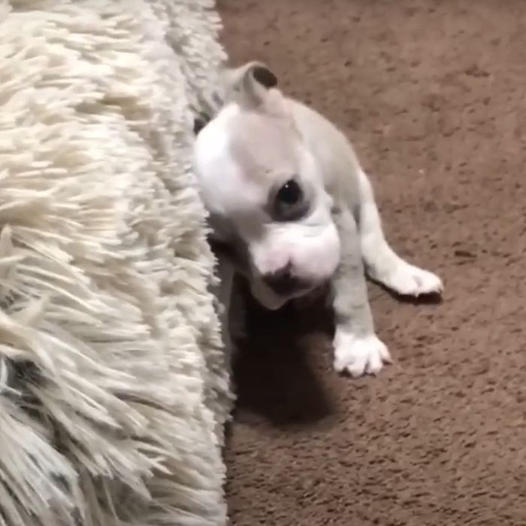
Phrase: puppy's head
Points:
(264, 190)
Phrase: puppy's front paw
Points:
(359, 355)
(409, 280)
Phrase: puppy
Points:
(291, 209)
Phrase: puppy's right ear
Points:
(264, 76)
(249, 84)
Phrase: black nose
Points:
(283, 282)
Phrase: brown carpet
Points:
(433, 95)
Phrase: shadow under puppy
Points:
(291, 209)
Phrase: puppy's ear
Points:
(264, 76)
(253, 85)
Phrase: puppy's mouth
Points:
(287, 285)
(272, 291)
(275, 297)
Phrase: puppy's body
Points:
(287, 195)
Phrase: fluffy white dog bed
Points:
(113, 388)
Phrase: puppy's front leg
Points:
(357, 349)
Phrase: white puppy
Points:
(293, 210)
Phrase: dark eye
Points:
(289, 202)
(289, 194)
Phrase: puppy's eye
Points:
(290, 193)
(289, 203)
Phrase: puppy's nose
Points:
(283, 282)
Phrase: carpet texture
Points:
(113, 391)
(432, 95)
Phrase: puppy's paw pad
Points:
(359, 356)
(409, 280)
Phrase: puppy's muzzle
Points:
(284, 283)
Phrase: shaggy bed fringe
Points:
(113, 387)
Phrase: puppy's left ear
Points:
(254, 86)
